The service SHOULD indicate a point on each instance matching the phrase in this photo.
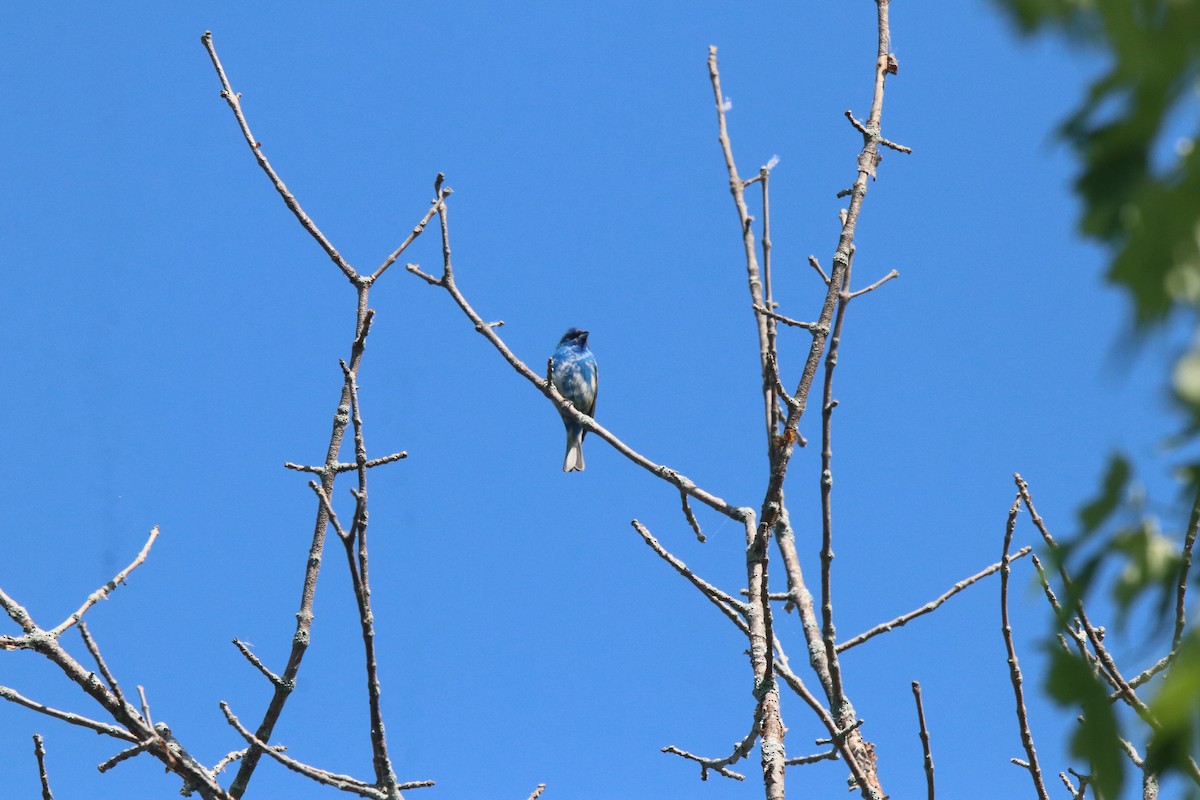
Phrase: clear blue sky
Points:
(171, 337)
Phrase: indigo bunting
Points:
(575, 376)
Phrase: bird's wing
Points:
(591, 409)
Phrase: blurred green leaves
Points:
(1134, 134)
(1141, 194)
(1116, 527)
(1112, 492)
(1177, 708)
(1071, 682)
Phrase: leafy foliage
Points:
(1072, 682)
(1147, 213)
(1139, 184)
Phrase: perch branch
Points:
(564, 406)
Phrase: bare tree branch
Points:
(1094, 637)
(94, 649)
(103, 592)
(754, 276)
(795, 323)
(234, 99)
(932, 605)
(828, 755)
(875, 285)
(172, 754)
(924, 732)
(74, 719)
(1185, 565)
(342, 782)
(344, 466)
(564, 406)
(730, 606)
(39, 752)
(385, 775)
(346, 412)
(812, 260)
(1014, 668)
(124, 755)
(691, 517)
(255, 661)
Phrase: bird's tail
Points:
(574, 459)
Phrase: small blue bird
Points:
(575, 376)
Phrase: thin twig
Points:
(234, 99)
(1093, 635)
(385, 775)
(124, 755)
(345, 466)
(442, 194)
(536, 793)
(39, 751)
(754, 276)
(103, 592)
(342, 533)
(14, 696)
(1148, 673)
(1084, 780)
(916, 688)
(842, 734)
(94, 649)
(782, 393)
(932, 605)
(1014, 668)
(344, 782)
(771, 382)
(730, 606)
(875, 285)
(691, 517)
(800, 598)
(1081, 642)
(256, 661)
(828, 404)
(1185, 565)
(828, 755)
(868, 133)
(706, 764)
(236, 755)
(145, 705)
(795, 323)
(812, 260)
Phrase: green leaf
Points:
(1151, 565)
(1112, 491)
(1098, 737)
(1177, 706)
